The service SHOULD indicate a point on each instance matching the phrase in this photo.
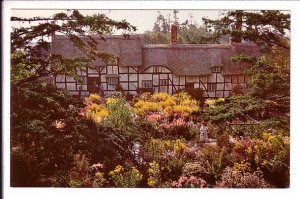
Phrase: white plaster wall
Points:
(83, 87)
(123, 69)
(155, 80)
(60, 78)
(123, 77)
(132, 86)
(145, 77)
(132, 69)
(182, 81)
(124, 86)
(70, 79)
(60, 85)
(220, 86)
(133, 77)
(219, 94)
(175, 79)
(212, 77)
(220, 77)
(163, 76)
(71, 86)
(163, 88)
(103, 78)
(165, 70)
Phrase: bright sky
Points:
(142, 19)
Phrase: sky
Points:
(142, 19)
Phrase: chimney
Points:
(174, 34)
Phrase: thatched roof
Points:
(191, 59)
(127, 50)
(182, 59)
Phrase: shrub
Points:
(214, 159)
(191, 182)
(194, 169)
(180, 104)
(79, 175)
(272, 155)
(232, 178)
(157, 147)
(125, 179)
(154, 179)
(45, 134)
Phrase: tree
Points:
(265, 28)
(189, 33)
(30, 45)
(47, 130)
(270, 84)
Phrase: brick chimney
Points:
(174, 34)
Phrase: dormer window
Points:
(216, 69)
(156, 69)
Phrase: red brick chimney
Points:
(174, 34)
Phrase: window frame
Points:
(163, 82)
(212, 87)
(157, 69)
(110, 78)
(216, 69)
(144, 83)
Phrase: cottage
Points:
(157, 67)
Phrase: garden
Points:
(149, 140)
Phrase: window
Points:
(212, 87)
(146, 83)
(163, 82)
(112, 80)
(216, 69)
(189, 86)
(156, 69)
(93, 84)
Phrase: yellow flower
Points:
(99, 174)
(151, 182)
(110, 100)
(58, 124)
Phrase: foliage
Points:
(168, 114)
(266, 27)
(158, 147)
(235, 107)
(193, 169)
(154, 179)
(42, 118)
(213, 159)
(125, 179)
(190, 33)
(191, 182)
(272, 156)
(79, 175)
(232, 178)
(180, 103)
(30, 45)
(93, 109)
